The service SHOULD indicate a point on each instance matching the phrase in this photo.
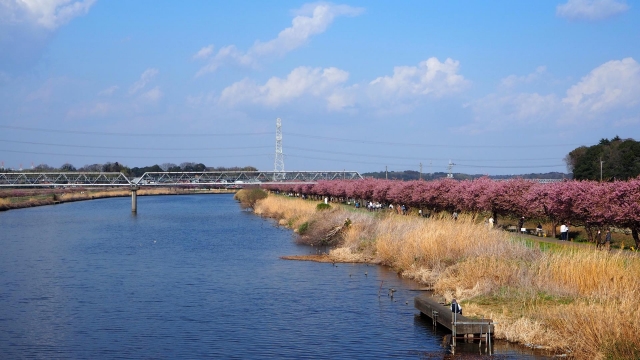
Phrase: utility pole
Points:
(450, 170)
(386, 173)
(420, 171)
(601, 168)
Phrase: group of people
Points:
(376, 206)
(600, 242)
(372, 206)
(564, 228)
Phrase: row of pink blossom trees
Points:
(594, 205)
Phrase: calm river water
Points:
(193, 277)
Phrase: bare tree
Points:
(167, 166)
(43, 167)
(91, 168)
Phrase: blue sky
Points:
(500, 87)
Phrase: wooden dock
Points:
(441, 314)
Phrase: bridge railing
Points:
(219, 178)
(241, 177)
(67, 178)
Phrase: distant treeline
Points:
(408, 175)
(135, 171)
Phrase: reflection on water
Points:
(193, 277)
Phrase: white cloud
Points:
(609, 94)
(49, 89)
(612, 85)
(204, 52)
(92, 110)
(276, 91)
(630, 121)
(201, 99)
(494, 112)
(312, 19)
(514, 80)
(400, 92)
(226, 54)
(152, 95)
(591, 9)
(48, 14)
(109, 91)
(146, 76)
(430, 77)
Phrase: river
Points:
(193, 277)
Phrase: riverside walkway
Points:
(546, 242)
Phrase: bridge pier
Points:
(134, 199)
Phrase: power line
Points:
(351, 140)
(412, 165)
(260, 147)
(413, 158)
(130, 156)
(510, 167)
(134, 148)
(428, 145)
(373, 156)
(128, 134)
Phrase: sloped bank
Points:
(577, 302)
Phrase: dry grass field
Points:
(575, 300)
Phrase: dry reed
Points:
(580, 301)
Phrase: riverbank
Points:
(570, 300)
(23, 198)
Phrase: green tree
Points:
(613, 159)
(66, 167)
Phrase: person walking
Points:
(491, 221)
(521, 225)
(607, 239)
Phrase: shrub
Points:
(303, 228)
(249, 197)
(323, 206)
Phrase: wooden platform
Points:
(442, 315)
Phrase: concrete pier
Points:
(134, 199)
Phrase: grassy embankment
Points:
(16, 199)
(577, 301)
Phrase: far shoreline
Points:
(19, 198)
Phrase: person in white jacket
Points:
(564, 231)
